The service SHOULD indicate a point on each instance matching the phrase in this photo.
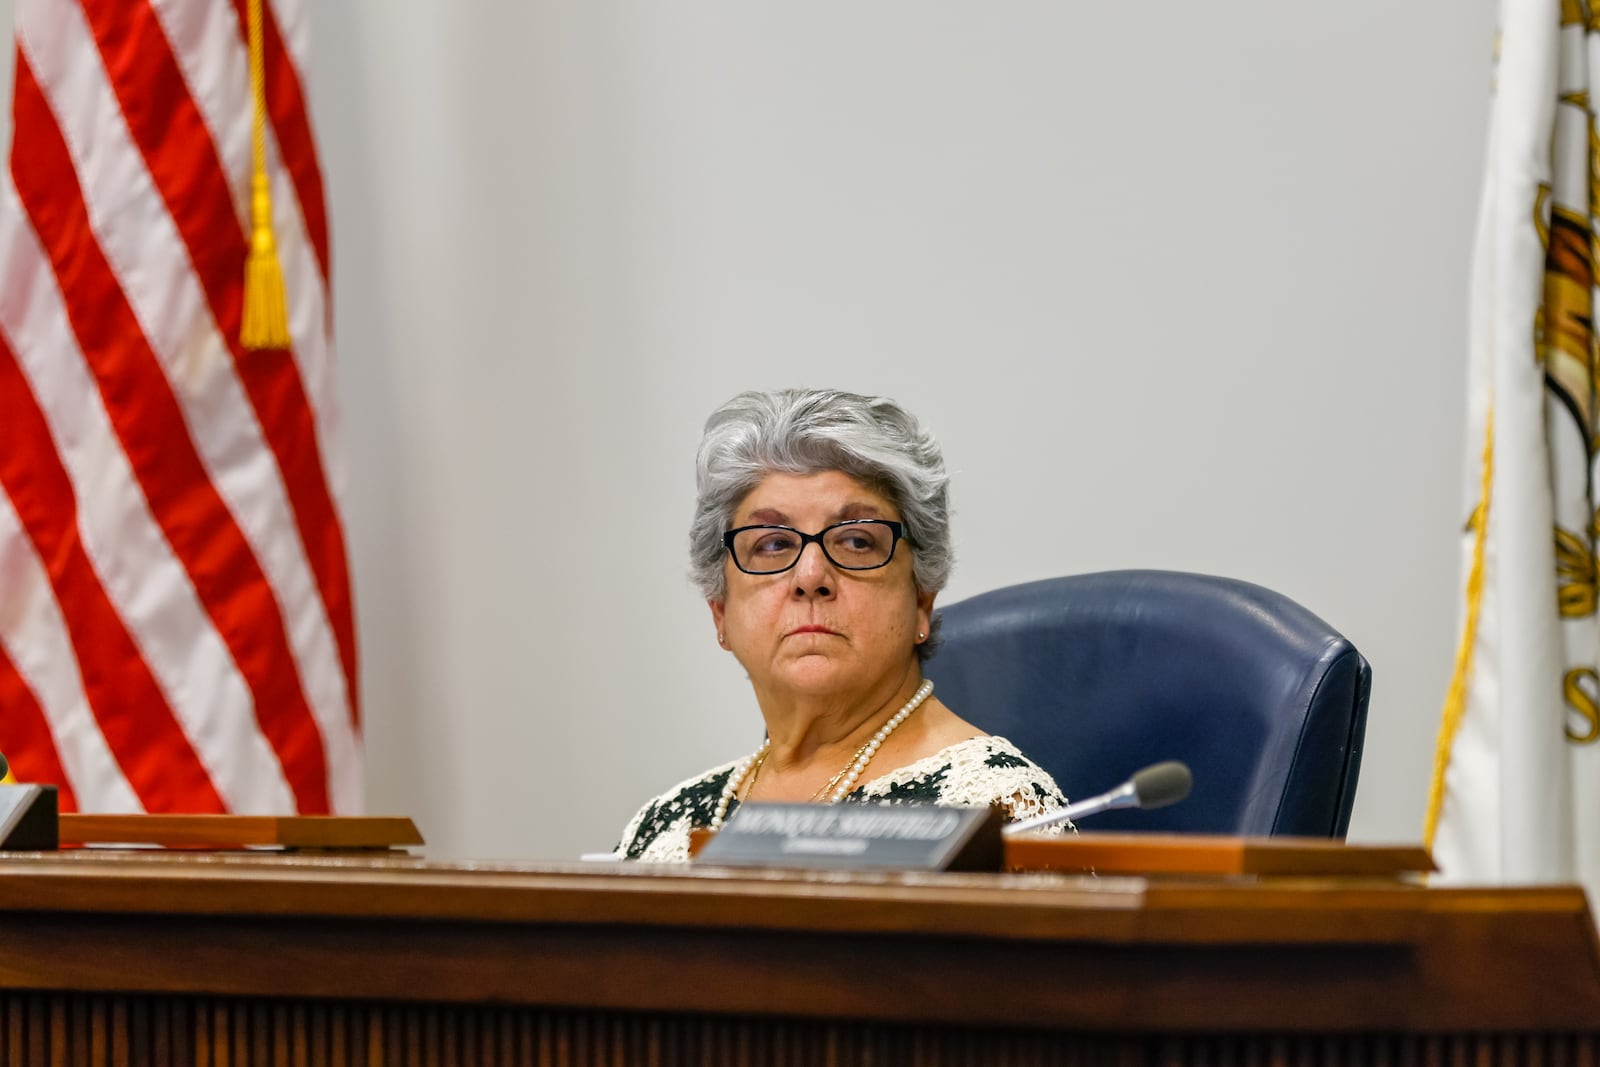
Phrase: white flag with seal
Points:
(1515, 795)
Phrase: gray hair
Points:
(807, 431)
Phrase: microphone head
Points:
(5, 767)
(1161, 784)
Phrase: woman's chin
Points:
(814, 673)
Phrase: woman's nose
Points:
(813, 572)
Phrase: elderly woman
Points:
(820, 538)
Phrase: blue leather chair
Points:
(1095, 676)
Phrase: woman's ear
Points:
(924, 615)
(718, 607)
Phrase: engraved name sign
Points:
(858, 837)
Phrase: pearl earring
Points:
(921, 635)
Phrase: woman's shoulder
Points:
(660, 829)
(976, 772)
(984, 756)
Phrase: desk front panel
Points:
(273, 958)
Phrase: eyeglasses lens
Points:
(852, 545)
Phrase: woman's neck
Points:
(804, 730)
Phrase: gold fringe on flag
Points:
(1455, 701)
(266, 312)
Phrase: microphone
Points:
(1156, 786)
(5, 768)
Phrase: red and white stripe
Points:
(176, 629)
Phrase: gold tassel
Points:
(1455, 701)
(266, 312)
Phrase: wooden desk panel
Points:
(242, 946)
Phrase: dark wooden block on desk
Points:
(1147, 854)
(339, 832)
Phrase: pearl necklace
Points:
(842, 782)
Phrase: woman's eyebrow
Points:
(858, 511)
(767, 515)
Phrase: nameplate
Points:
(858, 837)
(29, 818)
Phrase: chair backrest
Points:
(1097, 675)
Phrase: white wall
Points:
(1179, 288)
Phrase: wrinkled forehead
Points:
(811, 501)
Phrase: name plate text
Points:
(858, 837)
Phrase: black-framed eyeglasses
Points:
(853, 545)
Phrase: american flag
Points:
(176, 627)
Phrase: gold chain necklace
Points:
(841, 783)
(755, 771)
(845, 780)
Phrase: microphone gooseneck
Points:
(1155, 786)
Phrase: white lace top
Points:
(976, 773)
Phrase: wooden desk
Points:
(261, 959)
